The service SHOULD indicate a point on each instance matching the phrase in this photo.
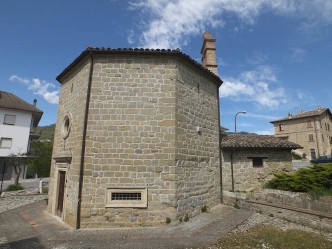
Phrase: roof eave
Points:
(141, 51)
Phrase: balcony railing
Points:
(35, 133)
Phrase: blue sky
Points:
(274, 56)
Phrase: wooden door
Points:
(61, 192)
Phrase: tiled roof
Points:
(11, 101)
(256, 141)
(307, 114)
(136, 51)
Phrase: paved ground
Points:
(31, 226)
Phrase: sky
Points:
(275, 57)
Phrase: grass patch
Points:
(267, 236)
(13, 187)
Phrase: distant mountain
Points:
(47, 132)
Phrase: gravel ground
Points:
(257, 219)
(15, 199)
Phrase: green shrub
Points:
(186, 218)
(168, 220)
(313, 179)
(44, 190)
(14, 187)
(204, 209)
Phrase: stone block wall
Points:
(141, 136)
(298, 200)
(247, 177)
(72, 102)
(197, 143)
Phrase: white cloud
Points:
(257, 57)
(297, 55)
(39, 87)
(261, 116)
(254, 86)
(170, 23)
(265, 132)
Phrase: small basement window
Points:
(126, 197)
(257, 162)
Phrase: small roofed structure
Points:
(248, 161)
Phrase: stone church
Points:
(137, 137)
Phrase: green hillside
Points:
(47, 132)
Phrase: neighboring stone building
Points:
(18, 122)
(312, 130)
(136, 138)
(248, 161)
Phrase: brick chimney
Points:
(208, 51)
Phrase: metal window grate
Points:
(126, 196)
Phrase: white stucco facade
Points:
(18, 132)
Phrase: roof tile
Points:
(256, 141)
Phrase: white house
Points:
(18, 123)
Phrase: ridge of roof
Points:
(310, 113)
(103, 50)
(256, 141)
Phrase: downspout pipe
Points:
(85, 125)
(232, 168)
(220, 159)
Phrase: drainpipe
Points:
(232, 168)
(220, 159)
(80, 181)
(3, 173)
(317, 143)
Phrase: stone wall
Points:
(141, 136)
(130, 140)
(247, 177)
(197, 143)
(72, 102)
(295, 200)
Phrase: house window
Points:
(126, 197)
(322, 137)
(281, 127)
(309, 124)
(5, 143)
(9, 119)
(313, 154)
(311, 137)
(328, 127)
(257, 162)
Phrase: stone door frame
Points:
(64, 168)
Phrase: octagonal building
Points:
(136, 138)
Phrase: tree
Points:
(18, 162)
(41, 154)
